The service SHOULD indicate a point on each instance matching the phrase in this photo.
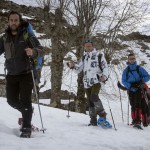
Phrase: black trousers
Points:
(18, 92)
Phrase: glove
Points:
(141, 86)
(103, 78)
(121, 86)
(137, 84)
(71, 64)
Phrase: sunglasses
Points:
(131, 58)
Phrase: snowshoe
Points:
(26, 133)
(33, 128)
(103, 123)
(137, 126)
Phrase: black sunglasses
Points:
(131, 58)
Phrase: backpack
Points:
(38, 62)
(129, 70)
(30, 29)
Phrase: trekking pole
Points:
(69, 95)
(111, 115)
(121, 106)
(128, 112)
(36, 95)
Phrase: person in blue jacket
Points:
(134, 78)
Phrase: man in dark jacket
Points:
(17, 52)
(134, 78)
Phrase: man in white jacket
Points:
(95, 69)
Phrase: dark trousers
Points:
(139, 108)
(18, 92)
(95, 104)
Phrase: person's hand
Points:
(103, 78)
(139, 85)
(71, 64)
(29, 51)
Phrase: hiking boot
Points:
(26, 117)
(132, 123)
(93, 122)
(145, 124)
(25, 133)
(138, 126)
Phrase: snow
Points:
(26, 2)
(70, 133)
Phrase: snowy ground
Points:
(72, 133)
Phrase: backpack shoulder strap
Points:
(4, 37)
(129, 70)
(99, 61)
(138, 71)
(25, 35)
(83, 57)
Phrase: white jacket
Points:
(91, 69)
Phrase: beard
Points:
(14, 28)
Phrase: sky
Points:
(26, 2)
(73, 133)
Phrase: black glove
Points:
(121, 86)
(138, 85)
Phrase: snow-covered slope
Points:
(72, 133)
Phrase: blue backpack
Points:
(39, 60)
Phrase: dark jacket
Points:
(129, 78)
(17, 62)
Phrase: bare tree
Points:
(55, 28)
(122, 17)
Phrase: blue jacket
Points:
(134, 76)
